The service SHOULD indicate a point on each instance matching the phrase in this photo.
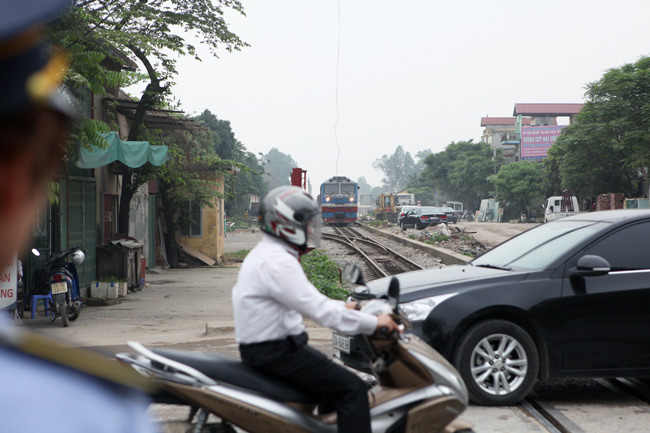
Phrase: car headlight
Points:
(420, 309)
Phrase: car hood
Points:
(429, 282)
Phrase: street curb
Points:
(447, 257)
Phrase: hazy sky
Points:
(414, 73)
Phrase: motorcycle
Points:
(417, 390)
(467, 216)
(58, 277)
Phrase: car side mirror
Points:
(591, 266)
(352, 274)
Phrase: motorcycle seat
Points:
(230, 371)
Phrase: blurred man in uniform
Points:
(45, 386)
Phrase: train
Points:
(339, 200)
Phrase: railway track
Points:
(576, 406)
(381, 260)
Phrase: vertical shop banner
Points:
(536, 140)
(8, 284)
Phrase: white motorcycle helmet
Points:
(289, 213)
(78, 257)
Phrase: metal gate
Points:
(80, 223)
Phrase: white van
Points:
(558, 207)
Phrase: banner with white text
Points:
(537, 140)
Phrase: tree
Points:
(277, 167)
(185, 177)
(364, 187)
(587, 166)
(607, 149)
(461, 172)
(396, 168)
(520, 185)
(424, 194)
(152, 32)
(239, 186)
(420, 157)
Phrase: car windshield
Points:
(538, 248)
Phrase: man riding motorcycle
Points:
(271, 296)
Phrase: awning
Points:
(130, 153)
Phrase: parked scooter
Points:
(58, 277)
(417, 390)
(467, 216)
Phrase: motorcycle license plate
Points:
(58, 288)
(341, 342)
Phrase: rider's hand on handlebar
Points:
(386, 322)
(354, 305)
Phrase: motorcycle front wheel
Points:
(63, 312)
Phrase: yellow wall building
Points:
(211, 239)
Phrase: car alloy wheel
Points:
(498, 361)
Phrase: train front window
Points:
(331, 189)
(347, 188)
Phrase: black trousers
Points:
(308, 369)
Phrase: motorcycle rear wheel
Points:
(63, 312)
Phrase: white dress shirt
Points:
(272, 294)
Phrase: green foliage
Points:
(323, 273)
(277, 168)
(237, 256)
(461, 172)
(239, 222)
(53, 190)
(375, 223)
(437, 238)
(412, 237)
(364, 187)
(98, 33)
(184, 176)
(111, 279)
(238, 187)
(427, 195)
(607, 149)
(521, 186)
(397, 169)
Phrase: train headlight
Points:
(328, 199)
(351, 199)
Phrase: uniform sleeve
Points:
(290, 287)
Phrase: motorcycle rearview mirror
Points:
(393, 292)
(353, 274)
(36, 252)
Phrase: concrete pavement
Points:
(178, 308)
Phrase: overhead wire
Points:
(338, 52)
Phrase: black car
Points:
(566, 298)
(421, 217)
(452, 215)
